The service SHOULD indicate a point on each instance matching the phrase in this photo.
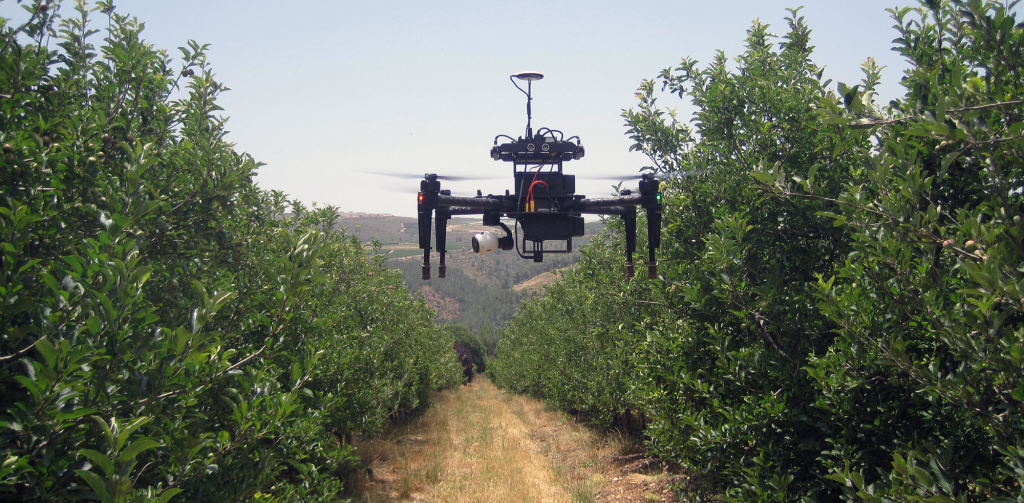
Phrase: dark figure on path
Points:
(466, 359)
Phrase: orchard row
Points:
(841, 309)
(169, 330)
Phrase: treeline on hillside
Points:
(841, 311)
(388, 229)
(506, 269)
(489, 303)
(166, 331)
(480, 304)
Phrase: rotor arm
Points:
(476, 203)
(604, 203)
(610, 210)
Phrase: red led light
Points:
(421, 199)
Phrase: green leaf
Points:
(105, 428)
(67, 416)
(29, 382)
(93, 324)
(900, 465)
(50, 281)
(9, 462)
(850, 97)
(167, 495)
(922, 476)
(218, 301)
(201, 290)
(96, 483)
(918, 130)
(122, 436)
(948, 159)
(141, 275)
(28, 265)
(48, 352)
(763, 177)
(858, 479)
(99, 459)
(135, 448)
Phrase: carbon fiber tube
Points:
(482, 203)
(589, 205)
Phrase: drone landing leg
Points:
(425, 272)
(653, 240)
(424, 225)
(652, 264)
(441, 223)
(629, 218)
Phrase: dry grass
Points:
(478, 444)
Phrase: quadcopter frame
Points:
(545, 204)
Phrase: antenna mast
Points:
(529, 77)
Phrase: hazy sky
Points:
(323, 91)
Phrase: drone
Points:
(544, 207)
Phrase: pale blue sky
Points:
(325, 90)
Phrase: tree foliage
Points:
(928, 306)
(839, 309)
(167, 329)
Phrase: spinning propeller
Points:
(450, 178)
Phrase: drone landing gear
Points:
(443, 215)
(441, 227)
(653, 240)
(425, 243)
(427, 202)
(629, 218)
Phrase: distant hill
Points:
(389, 229)
(537, 283)
(480, 290)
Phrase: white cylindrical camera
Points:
(485, 242)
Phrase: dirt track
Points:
(479, 444)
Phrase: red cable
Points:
(529, 193)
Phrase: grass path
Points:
(479, 444)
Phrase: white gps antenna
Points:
(529, 77)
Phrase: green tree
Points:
(489, 337)
(840, 306)
(924, 381)
(722, 377)
(575, 346)
(167, 328)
